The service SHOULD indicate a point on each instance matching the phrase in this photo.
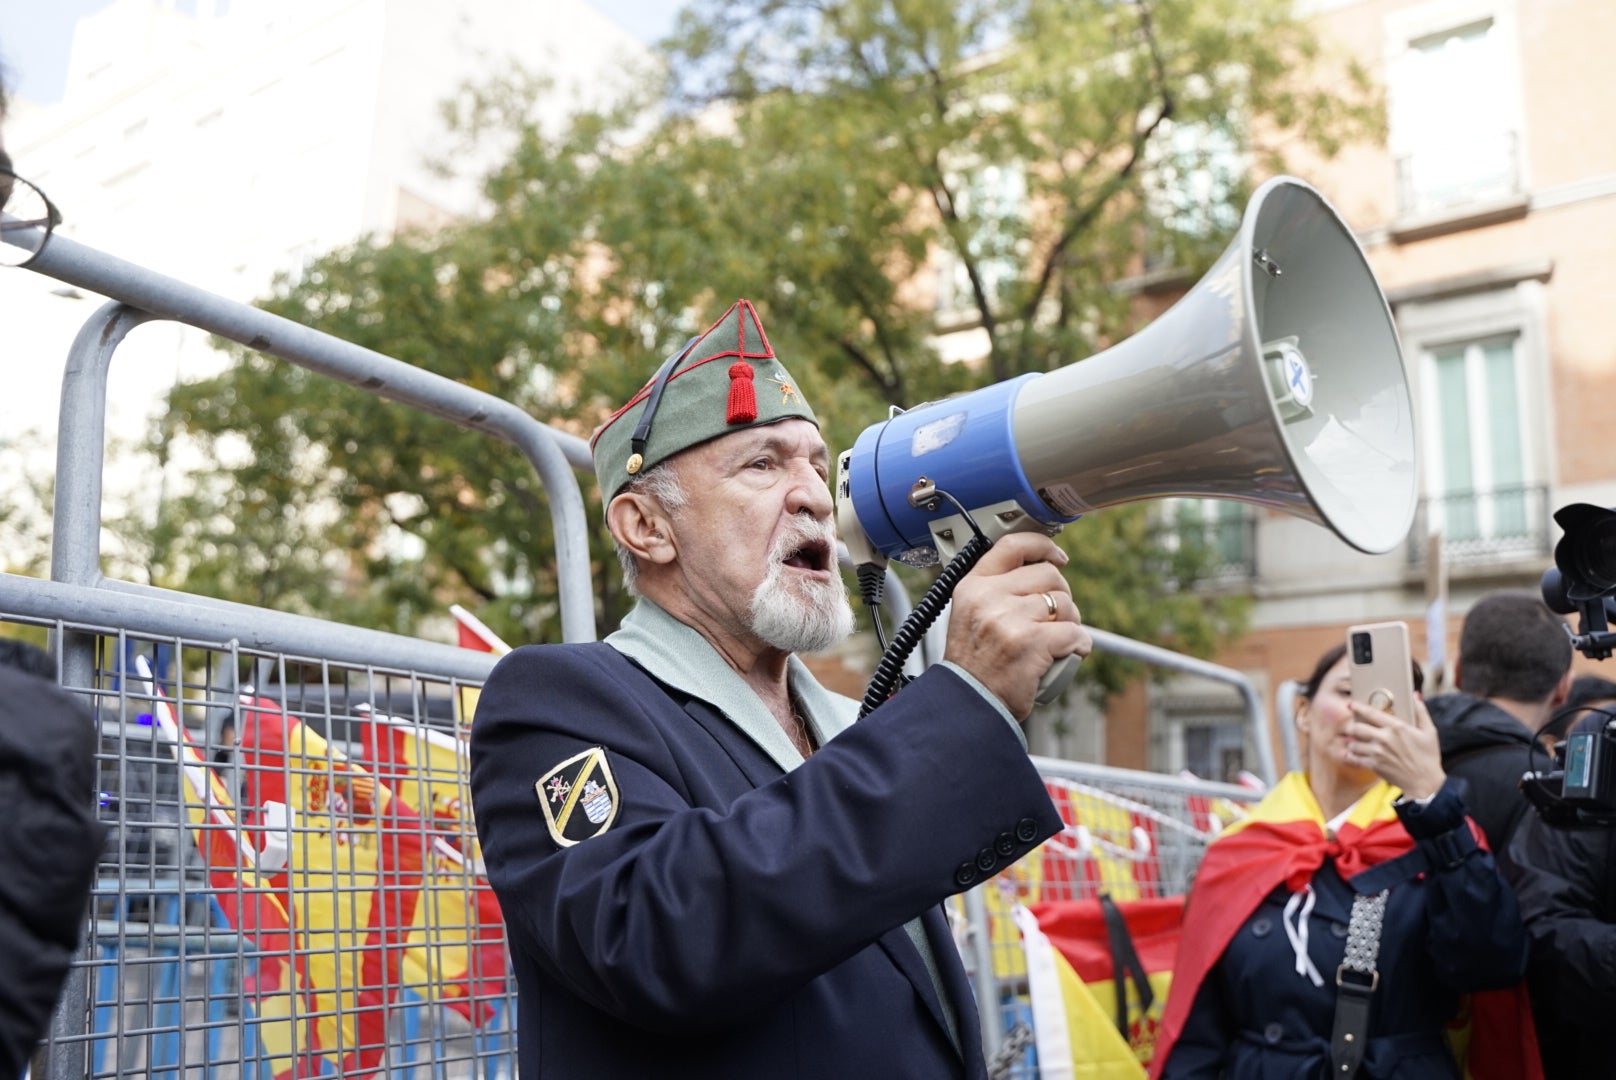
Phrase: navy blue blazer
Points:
(715, 916)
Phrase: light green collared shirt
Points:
(676, 654)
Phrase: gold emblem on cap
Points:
(634, 463)
(787, 391)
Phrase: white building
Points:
(225, 147)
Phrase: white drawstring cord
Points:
(1298, 933)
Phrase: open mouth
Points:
(812, 555)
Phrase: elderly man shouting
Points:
(707, 869)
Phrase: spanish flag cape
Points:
(1284, 842)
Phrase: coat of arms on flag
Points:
(584, 783)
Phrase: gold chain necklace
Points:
(799, 734)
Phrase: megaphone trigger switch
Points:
(1057, 679)
(923, 495)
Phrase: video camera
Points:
(1582, 791)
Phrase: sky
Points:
(36, 35)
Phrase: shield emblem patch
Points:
(579, 797)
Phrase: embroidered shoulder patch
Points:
(579, 797)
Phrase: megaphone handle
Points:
(1057, 679)
(1061, 672)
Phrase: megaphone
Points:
(1277, 380)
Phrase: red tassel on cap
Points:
(742, 395)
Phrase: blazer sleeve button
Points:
(1005, 844)
(1026, 830)
(986, 860)
(965, 875)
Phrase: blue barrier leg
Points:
(410, 1007)
(106, 1004)
(221, 986)
(168, 999)
(495, 1041)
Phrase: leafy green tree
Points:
(869, 172)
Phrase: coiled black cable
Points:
(890, 670)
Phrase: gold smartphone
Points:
(1382, 674)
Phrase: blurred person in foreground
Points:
(51, 840)
(28, 217)
(706, 867)
(1566, 879)
(49, 846)
(1513, 670)
(1333, 932)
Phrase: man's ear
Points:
(638, 522)
(1562, 690)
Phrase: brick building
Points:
(1490, 219)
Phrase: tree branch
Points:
(1083, 218)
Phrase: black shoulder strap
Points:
(1125, 964)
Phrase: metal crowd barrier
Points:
(300, 898)
(305, 900)
(1127, 835)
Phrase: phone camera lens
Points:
(1362, 653)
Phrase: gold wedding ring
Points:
(1049, 602)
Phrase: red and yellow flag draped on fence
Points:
(1109, 845)
(387, 898)
(276, 995)
(460, 934)
(1072, 974)
(343, 853)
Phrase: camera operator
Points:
(1565, 879)
(1589, 694)
(1513, 671)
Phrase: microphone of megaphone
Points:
(1277, 380)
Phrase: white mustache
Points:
(804, 530)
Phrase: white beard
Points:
(803, 616)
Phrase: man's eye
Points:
(760, 463)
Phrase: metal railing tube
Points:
(1256, 720)
(1285, 716)
(552, 454)
(159, 613)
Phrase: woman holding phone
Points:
(1333, 932)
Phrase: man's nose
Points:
(810, 493)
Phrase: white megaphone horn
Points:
(1277, 380)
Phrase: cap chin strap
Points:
(642, 430)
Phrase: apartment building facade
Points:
(1489, 217)
(227, 143)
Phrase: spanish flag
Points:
(278, 997)
(475, 634)
(1075, 1037)
(458, 939)
(341, 852)
(1073, 959)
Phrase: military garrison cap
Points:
(696, 396)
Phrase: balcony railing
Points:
(1435, 180)
(1229, 543)
(1484, 526)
